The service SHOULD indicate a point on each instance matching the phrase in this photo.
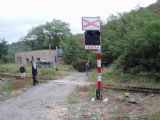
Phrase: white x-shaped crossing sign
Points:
(90, 23)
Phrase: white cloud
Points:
(18, 16)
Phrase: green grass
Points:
(47, 71)
(9, 68)
(6, 88)
(42, 72)
(14, 69)
(110, 78)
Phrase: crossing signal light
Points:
(92, 37)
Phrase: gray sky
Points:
(17, 17)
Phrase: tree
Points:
(4, 48)
(35, 39)
(74, 52)
(48, 34)
(56, 31)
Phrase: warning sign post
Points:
(90, 23)
(92, 37)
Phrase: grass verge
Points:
(109, 78)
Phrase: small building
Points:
(38, 55)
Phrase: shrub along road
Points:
(37, 102)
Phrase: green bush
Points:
(132, 41)
(47, 71)
(79, 65)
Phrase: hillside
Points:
(155, 7)
(18, 47)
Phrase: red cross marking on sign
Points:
(90, 23)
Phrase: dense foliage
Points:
(75, 54)
(47, 35)
(3, 50)
(132, 41)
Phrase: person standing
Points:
(34, 73)
(87, 68)
(22, 71)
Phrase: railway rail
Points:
(134, 89)
(17, 77)
(12, 75)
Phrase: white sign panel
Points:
(94, 47)
(90, 23)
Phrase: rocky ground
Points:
(114, 106)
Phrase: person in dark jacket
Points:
(22, 71)
(34, 73)
(87, 65)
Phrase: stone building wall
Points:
(43, 55)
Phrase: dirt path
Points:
(41, 102)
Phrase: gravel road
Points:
(38, 101)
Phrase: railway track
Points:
(134, 89)
(12, 75)
(6, 75)
(124, 88)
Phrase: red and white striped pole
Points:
(99, 69)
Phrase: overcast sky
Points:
(17, 17)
